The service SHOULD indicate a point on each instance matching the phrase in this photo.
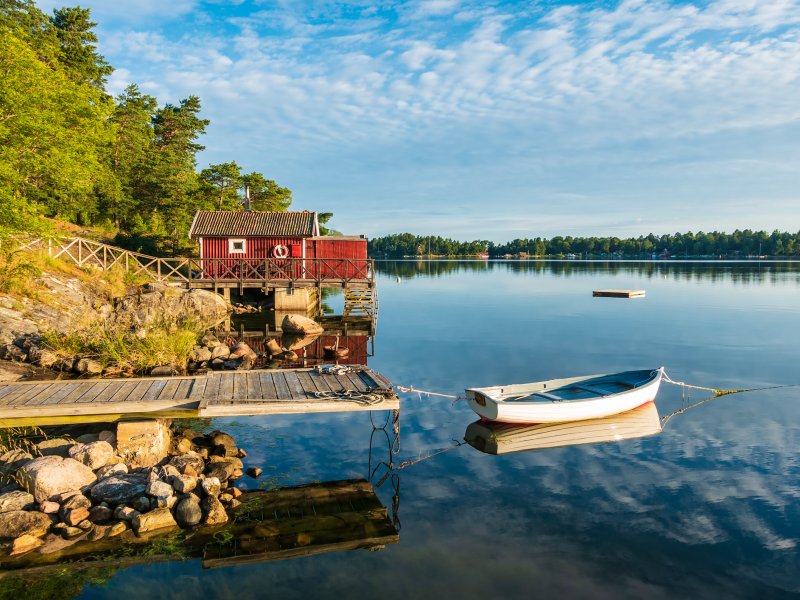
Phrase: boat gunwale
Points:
(500, 398)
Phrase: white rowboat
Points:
(573, 399)
(503, 438)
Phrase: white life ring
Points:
(280, 251)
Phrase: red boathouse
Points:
(275, 245)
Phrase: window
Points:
(237, 246)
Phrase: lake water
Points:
(710, 507)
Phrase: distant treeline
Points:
(70, 151)
(713, 244)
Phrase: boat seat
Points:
(596, 389)
(548, 396)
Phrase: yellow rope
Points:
(722, 392)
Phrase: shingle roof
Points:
(226, 223)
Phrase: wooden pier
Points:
(218, 393)
(618, 293)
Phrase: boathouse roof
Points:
(241, 223)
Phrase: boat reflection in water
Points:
(503, 438)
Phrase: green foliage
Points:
(117, 345)
(69, 151)
(16, 270)
(706, 245)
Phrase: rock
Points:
(16, 500)
(234, 503)
(235, 492)
(47, 476)
(25, 543)
(213, 511)
(211, 486)
(107, 436)
(74, 516)
(163, 371)
(16, 523)
(234, 461)
(231, 365)
(13, 352)
(241, 350)
(87, 366)
(143, 443)
(217, 364)
(88, 438)
(100, 514)
(219, 438)
(210, 340)
(94, 455)
(109, 470)
(248, 362)
(183, 446)
(220, 470)
(225, 498)
(273, 347)
(166, 472)
(76, 500)
(300, 324)
(54, 447)
(72, 532)
(63, 364)
(183, 483)
(120, 489)
(159, 488)
(49, 508)
(159, 518)
(254, 472)
(188, 512)
(64, 496)
(289, 355)
(86, 525)
(42, 357)
(190, 459)
(141, 504)
(201, 354)
(125, 513)
(13, 460)
(221, 351)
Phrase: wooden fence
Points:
(218, 272)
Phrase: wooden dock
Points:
(256, 392)
(618, 293)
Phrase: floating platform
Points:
(218, 393)
(618, 293)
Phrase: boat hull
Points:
(494, 404)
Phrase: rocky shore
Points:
(140, 477)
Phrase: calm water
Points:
(708, 508)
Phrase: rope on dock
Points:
(368, 398)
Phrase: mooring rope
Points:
(412, 389)
(723, 392)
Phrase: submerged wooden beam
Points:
(618, 293)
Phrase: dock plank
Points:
(253, 385)
(275, 391)
(281, 386)
(295, 387)
(267, 386)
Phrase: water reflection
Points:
(504, 438)
(711, 271)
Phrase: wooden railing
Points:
(215, 271)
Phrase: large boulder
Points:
(16, 500)
(300, 324)
(17, 523)
(213, 511)
(55, 447)
(94, 454)
(48, 476)
(159, 518)
(120, 489)
(143, 442)
(190, 460)
(188, 511)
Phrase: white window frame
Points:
(232, 246)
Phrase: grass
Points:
(119, 347)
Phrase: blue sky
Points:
(489, 120)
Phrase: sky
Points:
(488, 120)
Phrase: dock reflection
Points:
(504, 438)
